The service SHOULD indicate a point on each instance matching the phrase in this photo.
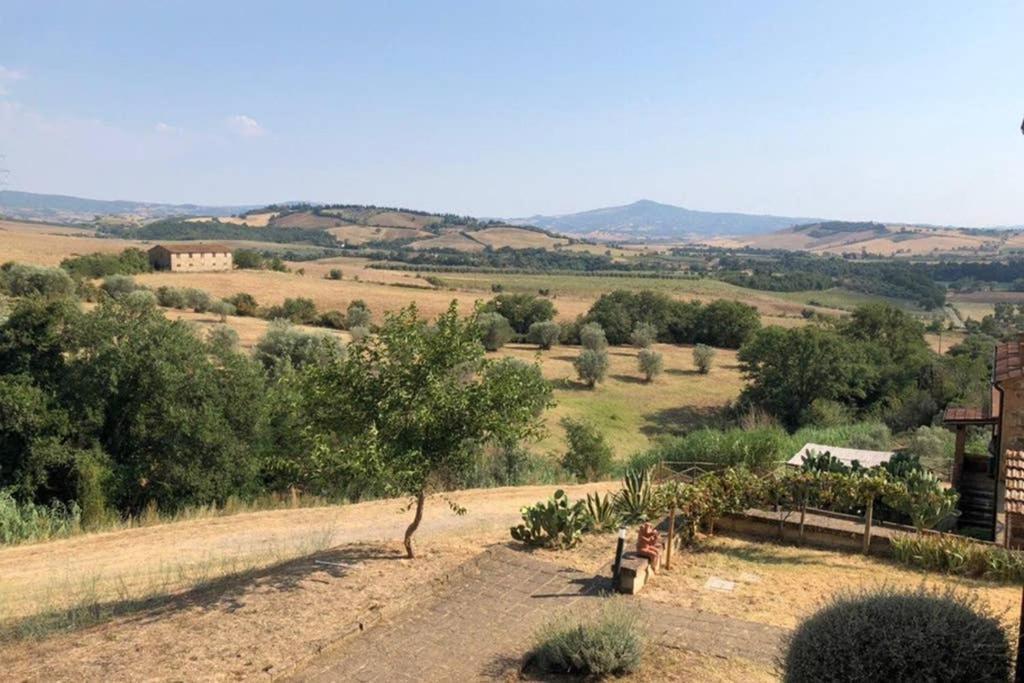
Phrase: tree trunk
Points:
(868, 514)
(421, 498)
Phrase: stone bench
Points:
(634, 572)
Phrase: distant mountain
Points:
(650, 220)
(67, 209)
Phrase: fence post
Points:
(671, 535)
(867, 525)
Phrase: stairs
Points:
(977, 496)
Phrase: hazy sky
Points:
(858, 110)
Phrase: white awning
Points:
(845, 455)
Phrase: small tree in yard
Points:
(703, 357)
(650, 363)
(644, 334)
(222, 308)
(409, 407)
(592, 337)
(591, 366)
(495, 331)
(589, 457)
(358, 314)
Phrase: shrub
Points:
(332, 319)
(358, 314)
(28, 522)
(608, 643)
(592, 337)
(139, 299)
(545, 334)
(359, 333)
(117, 286)
(934, 446)
(591, 366)
(890, 635)
(222, 308)
(553, 523)
(703, 357)
(300, 310)
(521, 310)
(758, 450)
(248, 259)
(244, 303)
(959, 556)
(495, 331)
(644, 334)
(222, 338)
(128, 262)
(589, 456)
(650, 363)
(284, 344)
(826, 413)
(334, 274)
(196, 299)
(923, 499)
(170, 297)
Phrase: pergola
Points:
(962, 418)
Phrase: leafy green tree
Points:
(650, 363)
(522, 310)
(727, 324)
(589, 457)
(703, 358)
(222, 308)
(591, 366)
(643, 335)
(545, 334)
(117, 286)
(22, 280)
(495, 331)
(248, 259)
(592, 337)
(409, 406)
(788, 369)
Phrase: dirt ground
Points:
(780, 585)
(263, 620)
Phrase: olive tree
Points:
(650, 363)
(410, 406)
(545, 334)
(591, 366)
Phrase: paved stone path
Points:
(482, 624)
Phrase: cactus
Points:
(554, 523)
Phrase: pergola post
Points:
(958, 455)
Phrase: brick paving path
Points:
(482, 624)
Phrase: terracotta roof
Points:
(1015, 481)
(194, 248)
(1008, 362)
(967, 415)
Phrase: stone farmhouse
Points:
(190, 258)
(991, 485)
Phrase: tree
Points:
(592, 337)
(358, 314)
(284, 344)
(650, 363)
(334, 274)
(591, 366)
(521, 310)
(495, 331)
(409, 406)
(222, 308)
(244, 303)
(589, 457)
(703, 357)
(727, 324)
(23, 280)
(248, 259)
(644, 334)
(300, 311)
(545, 334)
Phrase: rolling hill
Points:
(649, 220)
(67, 209)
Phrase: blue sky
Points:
(866, 110)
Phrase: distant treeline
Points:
(988, 271)
(178, 229)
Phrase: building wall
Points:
(1011, 438)
(191, 262)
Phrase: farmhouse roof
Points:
(194, 247)
(1008, 362)
(846, 455)
(1015, 481)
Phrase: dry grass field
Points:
(361, 234)
(48, 245)
(627, 410)
(516, 238)
(449, 240)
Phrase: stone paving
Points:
(480, 626)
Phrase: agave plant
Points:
(637, 501)
(601, 513)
